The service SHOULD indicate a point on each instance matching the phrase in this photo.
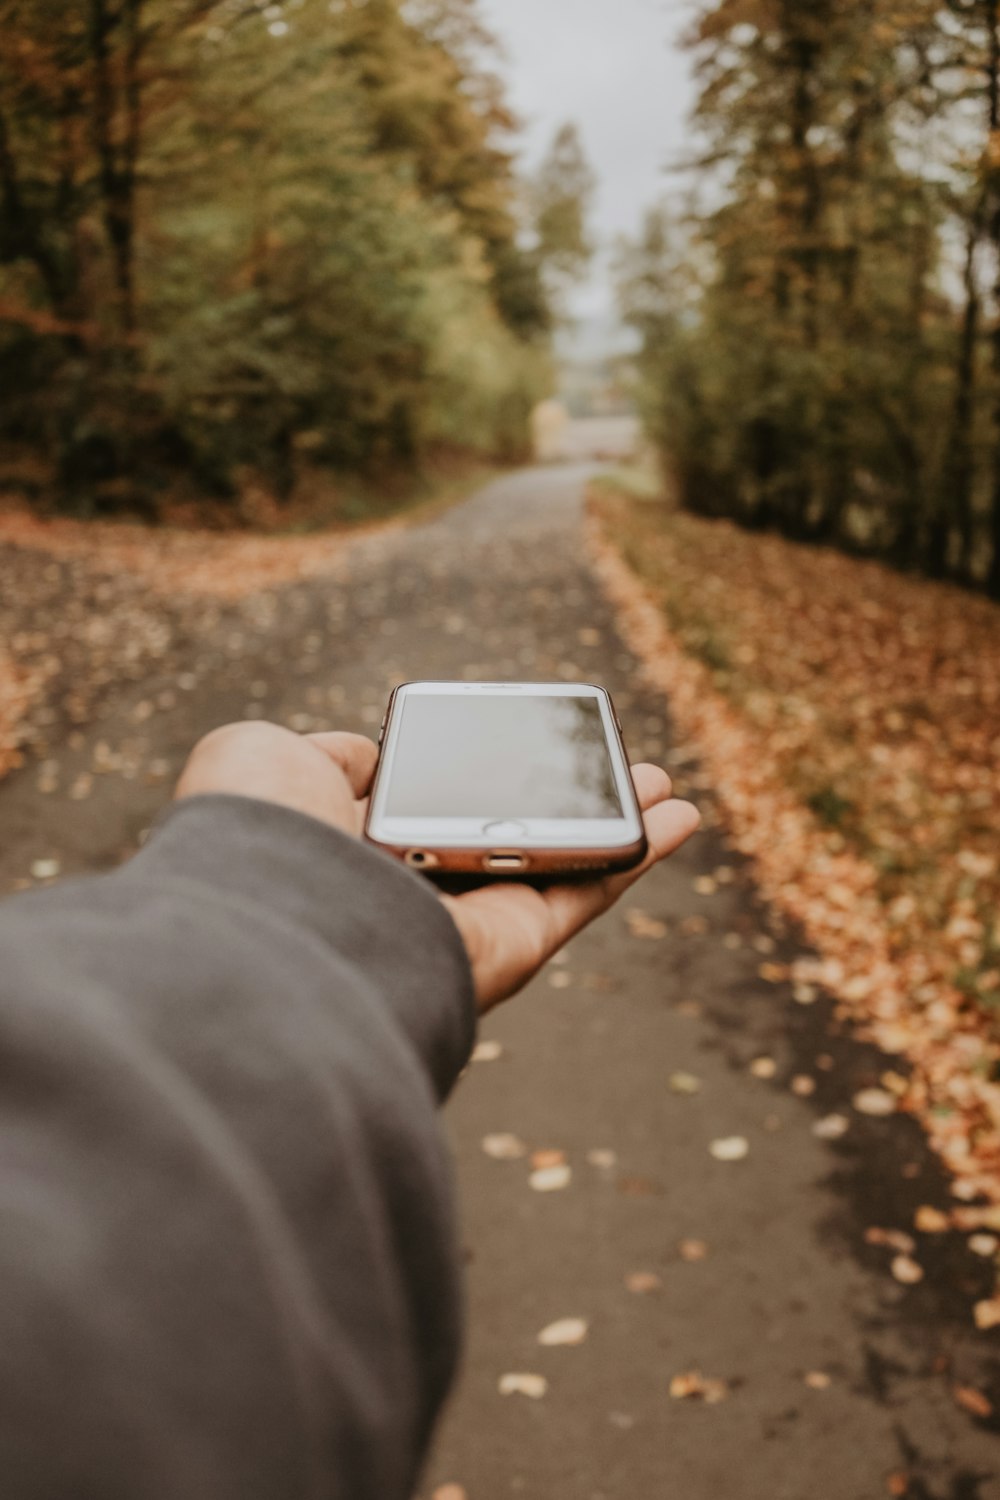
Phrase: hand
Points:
(324, 775)
(509, 930)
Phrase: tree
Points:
(230, 234)
(843, 391)
(560, 198)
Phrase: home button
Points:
(505, 832)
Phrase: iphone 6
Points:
(505, 779)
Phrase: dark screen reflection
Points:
(516, 757)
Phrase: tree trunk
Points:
(954, 497)
(21, 232)
(993, 576)
(116, 126)
(797, 500)
(993, 17)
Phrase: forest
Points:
(242, 238)
(820, 317)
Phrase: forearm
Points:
(230, 1266)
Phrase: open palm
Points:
(509, 929)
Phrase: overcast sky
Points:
(613, 67)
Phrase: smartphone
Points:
(505, 779)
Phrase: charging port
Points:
(505, 862)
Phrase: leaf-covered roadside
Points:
(88, 604)
(77, 627)
(849, 721)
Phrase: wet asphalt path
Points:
(839, 1382)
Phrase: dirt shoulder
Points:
(848, 718)
(86, 606)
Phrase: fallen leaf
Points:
(643, 1282)
(602, 1157)
(550, 1179)
(817, 1380)
(763, 1067)
(803, 1085)
(984, 1244)
(548, 1157)
(641, 925)
(450, 1492)
(907, 1270)
(987, 1313)
(693, 1385)
(805, 994)
(684, 1083)
(897, 1485)
(45, 869)
(877, 1102)
(978, 1218)
(831, 1127)
(503, 1146)
(972, 1401)
(486, 1051)
(522, 1383)
(560, 979)
(692, 1250)
(894, 1239)
(774, 973)
(705, 885)
(638, 1187)
(730, 1148)
(565, 1331)
(931, 1220)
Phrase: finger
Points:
(355, 754)
(652, 785)
(361, 814)
(509, 931)
(668, 825)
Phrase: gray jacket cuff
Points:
(369, 909)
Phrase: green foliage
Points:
(561, 195)
(233, 234)
(817, 330)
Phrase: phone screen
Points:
(522, 756)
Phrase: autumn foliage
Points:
(241, 240)
(849, 720)
(818, 307)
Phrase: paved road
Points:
(839, 1381)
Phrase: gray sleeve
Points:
(227, 1262)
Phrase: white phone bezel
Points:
(469, 833)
